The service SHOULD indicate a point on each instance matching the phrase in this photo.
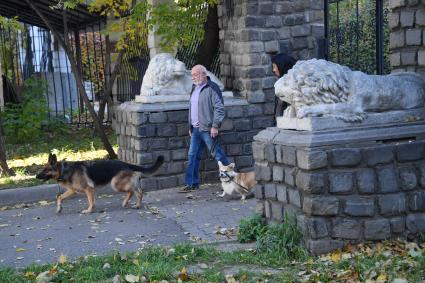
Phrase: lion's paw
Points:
(352, 118)
(303, 112)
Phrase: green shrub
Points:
(282, 241)
(23, 121)
(276, 243)
(250, 229)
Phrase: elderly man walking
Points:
(206, 112)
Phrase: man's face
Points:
(276, 70)
(198, 77)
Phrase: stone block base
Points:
(147, 130)
(348, 186)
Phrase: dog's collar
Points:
(231, 180)
(60, 178)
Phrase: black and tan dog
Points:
(85, 176)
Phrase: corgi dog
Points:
(232, 181)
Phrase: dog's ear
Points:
(220, 164)
(52, 159)
(232, 165)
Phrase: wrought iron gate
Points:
(357, 34)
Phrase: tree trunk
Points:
(3, 159)
(111, 80)
(109, 86)
(78, 77)
(1, 89)
(210, 44)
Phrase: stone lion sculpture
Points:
(322, 88)
(166, 75)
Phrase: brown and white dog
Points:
(232, 181)
(85, 176)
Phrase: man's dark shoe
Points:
(188, 189)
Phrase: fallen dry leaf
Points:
(136, 262)
(20, 250)
(132, 278)
(203, 266)
(230, 279)
(44, 202)
(44, 277)
(183, 276)
(62, 259)
(106, 266)
(29, 275)
(336, 256)
(382, 277)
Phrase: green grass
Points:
(69, 143)
(374, 262)
(160, 263)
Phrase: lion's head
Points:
(163, 70)
(314, 82)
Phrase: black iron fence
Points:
(34, 51)
(357, 34)
(133, 67)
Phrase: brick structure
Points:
(250, 33)
(407, 38)
(354, 188)
(148, 130)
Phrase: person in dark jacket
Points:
(281, 64)
(206, 112)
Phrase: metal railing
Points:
(357, 34)
(34, 51)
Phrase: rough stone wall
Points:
(407, 38)
(344, 193)
(252, 31)
(144, 132)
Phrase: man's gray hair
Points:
(200, 68)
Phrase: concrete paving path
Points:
(36, 234)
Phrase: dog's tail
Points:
(149, 170)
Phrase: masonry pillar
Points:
(154, 39)
(252, 31)
(407, 38)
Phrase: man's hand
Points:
(214, 132)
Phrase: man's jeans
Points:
(197, 144)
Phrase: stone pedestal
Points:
(171, 98)
(146, 130)
(345, 186)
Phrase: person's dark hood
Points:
(283, 62)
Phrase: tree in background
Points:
(4, 168)
(179, 23)
(353, 35)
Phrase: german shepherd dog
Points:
(232, 181)
(85, 176)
